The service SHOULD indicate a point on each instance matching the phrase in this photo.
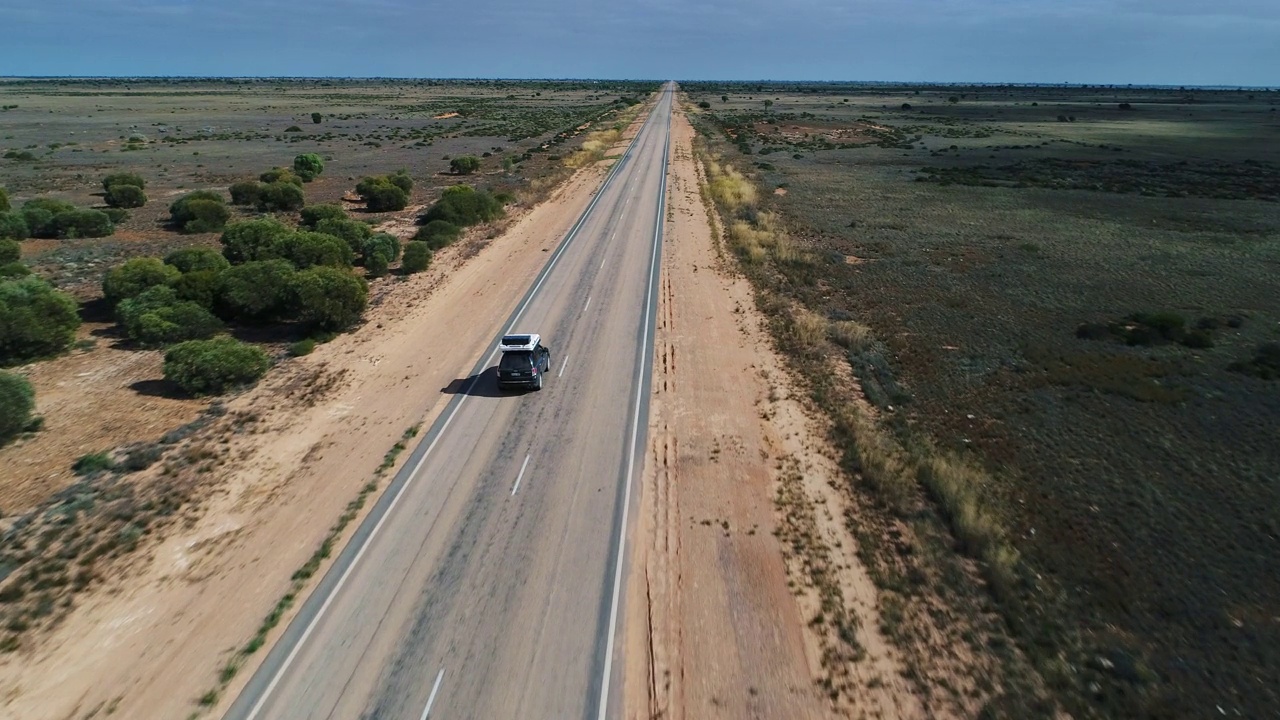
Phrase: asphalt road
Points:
(486, 581)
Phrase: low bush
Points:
(4, 200)
(329, 298)
(280, 174)
(196, 258)
(463, 205)
(135, 276)
(352, 232)
(312, 215)
(1264, 364)
(280, 196)
(13, 270)
(123, 178)
(10, 251)
(302, 347)
(159, 317)
(307, 249)
(381, 194)
(212, 367)
(464, 165)
(257, 290)
(252, 239)
(39, 214)
(83, 224)
(308, 166)
(376, 264)
(125, 196)
(245, 193)
(382, 244)
(94, 463)
(116, 215)
(417, 257)
(438, 233)
(200, 287)
(36, 320)
(17, 402)
(199, 212)
(13, 227)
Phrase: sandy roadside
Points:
(149, 642)
(740, 540)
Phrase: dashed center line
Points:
(566, 362)
(431, 700)
(584, 307)
(516, 487)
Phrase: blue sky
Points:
(1192, 42)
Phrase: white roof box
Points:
(517, 342)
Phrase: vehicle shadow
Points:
(483, 385)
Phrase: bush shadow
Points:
(159, 388)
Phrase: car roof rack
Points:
(517, 342)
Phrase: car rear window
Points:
(516, 361)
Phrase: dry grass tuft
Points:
(851, 335)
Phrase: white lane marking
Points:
(602, 263)
(566, 362)
(431, 700)
(519, 477)
(635, 432)
(368, 541)
(584, 307)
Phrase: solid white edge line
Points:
(311, 626)
(519, 477)
(562, 365)
(635, 432)
(584, 307)
(431, 700)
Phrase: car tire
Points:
(538, 385)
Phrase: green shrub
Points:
(329, 298)
(252, 239)
(280, 197)
(377, 263)
(126, 196)
(13, 270)
(257, 290)
(401, 180)
(464, 165)
(438, 233)
(13, 227)
(302, 347)
(123, 178)
(17, 401)
(200, 287)
(20, 155)
(381, 195)
(4, 200)
(383, 243)
(135, 276)
(39, 214)
(1264, 364)
(245, 193)
(83, 224)
(94, 463)
(280, 174)
(463, 205)
(308, 249)
(116, 215)
(211, 367)
(200, 211)
(35, 320)
(312, 215)
(417, 256)
(308, 166)
(196, 258)
(158, 317)
(352, 232)
(316, 118)
(10, 251)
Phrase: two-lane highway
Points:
(485, 582)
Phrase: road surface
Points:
(485, 582)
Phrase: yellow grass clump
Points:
(594, 148)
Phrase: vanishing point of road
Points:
(486, 582)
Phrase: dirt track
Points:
(720, 608)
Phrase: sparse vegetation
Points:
(17, 403)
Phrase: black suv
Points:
(525, 362)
